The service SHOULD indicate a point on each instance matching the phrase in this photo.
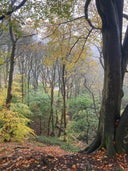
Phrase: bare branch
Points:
(68, 21)
(87, 3)
(125, 16)
(82, 46)
(86, 38)
(74, 45)
(15, 8)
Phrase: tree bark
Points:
(10, 81)
(122, 133)
(51, 117)
(112, 53)
(12, 61)
(108, 131)
(64, 100)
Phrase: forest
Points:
(63, 85)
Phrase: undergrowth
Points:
(55, 141)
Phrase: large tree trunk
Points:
(112, 129)
(110, 109)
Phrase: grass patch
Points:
(55, 141)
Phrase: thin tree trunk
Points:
(40, 121)
(22, 81)
(51, 117)
(12, 61)
(64, 100)
(28, 89)
(10, 81)
(61, 125)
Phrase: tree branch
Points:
(72, 20)
(15, 8)
(125, 16)
(86, 38)
(87, 3)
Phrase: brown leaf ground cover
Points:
(37, 157)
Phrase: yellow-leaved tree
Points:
(14, 121)
(65, 53)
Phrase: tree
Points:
(112, 130)
(6, 11)
(11, 70)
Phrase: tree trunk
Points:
(22, 80)
(64, 100)
(112, 53)
(40, 122)
(11, 69)
(9, 90)
(109, 133)
(110, 109)
(28, 88)
(51, 117)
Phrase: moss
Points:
(110, 146)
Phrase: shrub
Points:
(78, 104)
(82, 127)
(21, 108)
(40, 108)
(13, 126)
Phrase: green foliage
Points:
(39, 104)
(16, 89)
(60, 8)
(83, 126)
(57, 142)
(77, 104)
(69, 147)
(3, 6)
(3, 55)
(21, 108)
(83, 119)
(49, 140)
(1, 61)
(2, 98)
(13, 126)
(17, 29)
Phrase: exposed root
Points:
(93, 146)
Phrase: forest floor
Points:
(39, 157)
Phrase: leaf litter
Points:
(33, 157)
